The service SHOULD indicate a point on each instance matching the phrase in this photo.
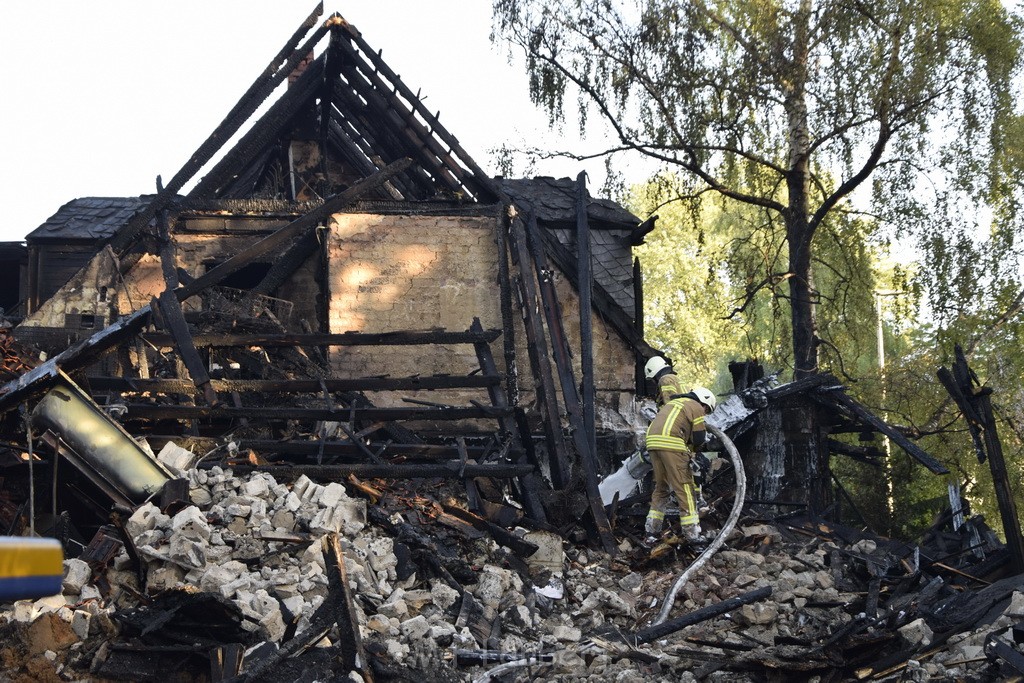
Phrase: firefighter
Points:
(676, 433)
(659, 370)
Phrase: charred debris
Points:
(343, 411)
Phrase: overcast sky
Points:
(100, 97)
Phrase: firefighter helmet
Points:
(654, 366)
(705, 396)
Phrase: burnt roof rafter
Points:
(365, 117)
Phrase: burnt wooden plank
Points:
(344, 339)
(663, 629)
(563, 363)
(840, 399)
(444, 470)
(530, 484)
(350, 643)
(586, 287)
(346, 448)
(186, 412)
(79, 355)
(297, 386)
(977, 409)
(540, 361)
(486, 189)
(504, 537)
(279, 239)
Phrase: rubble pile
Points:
(245, 567)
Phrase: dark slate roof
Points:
(88, 218)
(554, 201)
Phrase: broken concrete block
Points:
(305, 488)
(916, 633)
(89, 592)
(273, 624)
(200, 495)
(51, 603)
(80, 623)
(758, 614)
(256, 487)
(162, 578)
(76, 574)
(191, 523)
(396, 609)
(177, 459)
(491, 585)
(186, 552)
(145, 518)
(443, 595)
(283, 520)
(23, 612)
(631, 582)
(415, 628)
(567, 634)
(379, 623)
(332, 494)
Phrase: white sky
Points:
(100, 97)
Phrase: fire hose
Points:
(737, 508)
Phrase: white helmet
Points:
(705, 396)
(654, 366)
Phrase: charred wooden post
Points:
(540, 362)
(171, 314)
(977, 409)
(353, 658)
(530, 484)
(638, 328)
(586, 277)
(570, 395)
(505, 294)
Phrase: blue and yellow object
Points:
(30, 568)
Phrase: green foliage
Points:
(814, 153)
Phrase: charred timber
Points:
(285, 235)
(345, 448)
(540, 360)
(344, 339)
(262, 87)
(663, 629)
(296, 386)
(447, 470)
(573, 407)
(841, 400)
(186, 412)
(490, 192)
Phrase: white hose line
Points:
(737, 508)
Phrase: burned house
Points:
(346, 268)
(344, 330)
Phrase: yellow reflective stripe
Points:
(666, 427)
(698, 421)
(666, 443)
(655, 514)
(691, 518)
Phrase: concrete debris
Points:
(254, 547)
